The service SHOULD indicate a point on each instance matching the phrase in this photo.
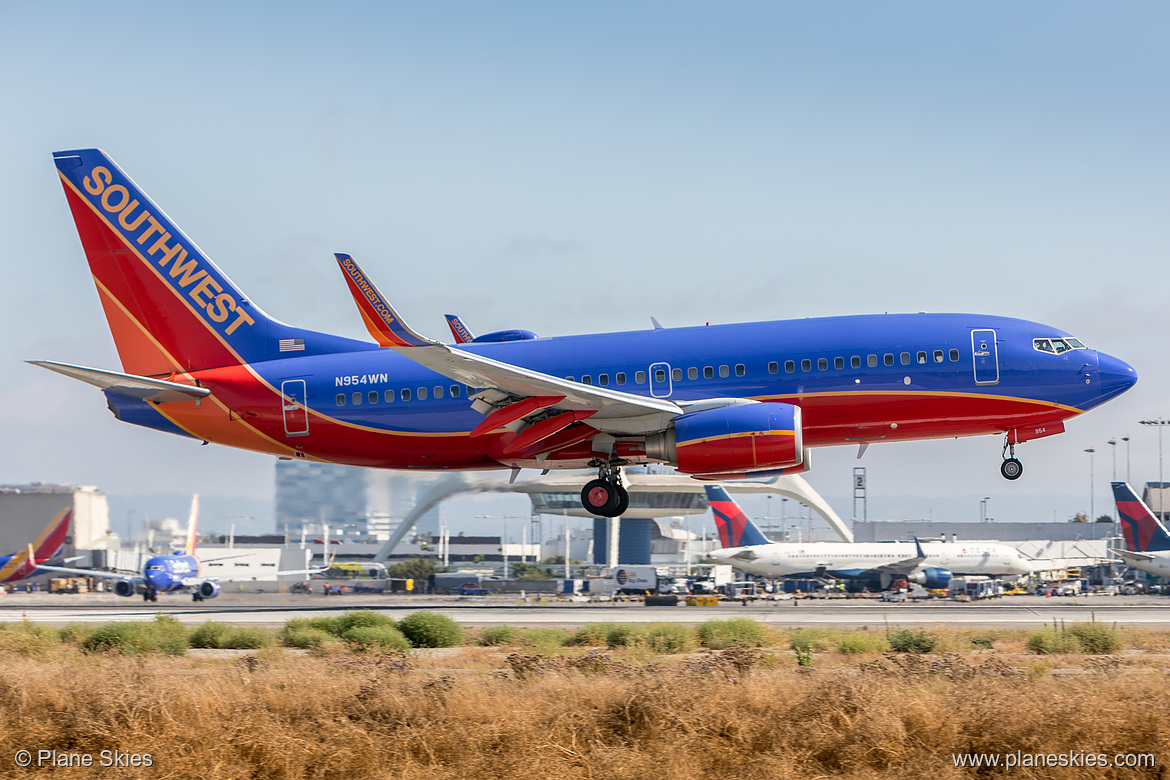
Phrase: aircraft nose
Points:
(1116, 375)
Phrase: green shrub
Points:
(859, 644)
(1052, 641)
(26, 638)
(377, 639)
(807, 639)
(248, 638)
(907, 641)
(493, 636)
(209, 635)
(591, 635)
(669, 638)
(164, 635)
(721, 634)
(429, 629)
(73, 633)
(220, 636)
(1092, 638)
(362, 618)
(330, 625)
(543, 639)
(623, 634)
(304, 636)
(1097, 638)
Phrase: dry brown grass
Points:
(283, 715)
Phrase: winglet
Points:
(381, 320)
(918, 548)
(459, 330)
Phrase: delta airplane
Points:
(201, 359)
(48, 545)
(177, 571)
(869, 564)
(1147, 544)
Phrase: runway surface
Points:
(275, 609)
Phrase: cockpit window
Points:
(1056, 346)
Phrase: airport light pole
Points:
(1125, 439)
(1113, 449)
(1092, 493)
(504, 538)
(1159, 423)
(983, 509)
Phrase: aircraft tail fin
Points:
(192, 527)
(169, 308)
(1142, 530)
(735, 528)
(48, 545)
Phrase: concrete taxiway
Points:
(274, 609)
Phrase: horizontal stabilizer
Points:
(144, 388)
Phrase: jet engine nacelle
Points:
(932, 577)
(732, 439)
(124, 588)
(208, 589)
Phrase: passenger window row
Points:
(921, 358)
(406, 394)
(676, 375)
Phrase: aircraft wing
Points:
(113, 575)
(906, 565)
(505, 385)
(1139, 557)
(145, 388)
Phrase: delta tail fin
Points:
(1142, 530)
(735, 528)
(170, 309)
(50, 544)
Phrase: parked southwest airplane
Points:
(1147, 544)
(720, 402)
(177, 571)
(47, 546)
(867, 564)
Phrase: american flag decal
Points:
(292, 345)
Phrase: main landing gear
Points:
(605, 495)
(1010, 468)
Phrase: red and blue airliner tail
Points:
(170, 309)
(459, 331)
(735, 528)
(381, 320)
(1143, 531)
(48, 545)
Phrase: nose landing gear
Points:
(1010, 468)
(605, 495)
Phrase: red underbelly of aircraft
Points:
(835, 419)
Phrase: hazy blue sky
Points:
(579, 167)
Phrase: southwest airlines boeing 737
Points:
(201, 359)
